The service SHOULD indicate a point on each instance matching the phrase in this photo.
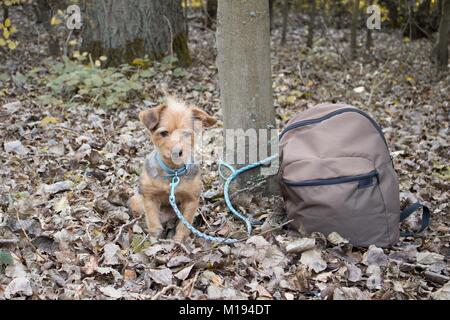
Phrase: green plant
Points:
(106, 87)
(5, 260)
(82, 80)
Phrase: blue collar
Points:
(170, 172)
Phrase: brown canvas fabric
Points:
(336, 175)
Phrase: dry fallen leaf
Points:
(56, 187)
(111, 292)
(300, 245)
(72, 167)
(161, 276)
(177, 261)
(442, 293)
(354, 273)
(183, 274)
(426, 257)
(16, 147)
(375, 256)
(346, 293)
(336, 239)
(111, 251)
(313, 260)
(21, 286)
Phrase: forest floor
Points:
(66, 231)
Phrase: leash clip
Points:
(173, 184)
(175, 180)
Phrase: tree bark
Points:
(125, 30)
(244, 65)
(312, 19)
(442, 45)
(355, 15)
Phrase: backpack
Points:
(336, 175)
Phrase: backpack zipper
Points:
(330, 115)
(365, 180)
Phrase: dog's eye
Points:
(164, 133)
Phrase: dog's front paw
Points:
(156, 232)
(180, 236)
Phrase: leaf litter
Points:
(67, 174)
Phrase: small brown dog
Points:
(171, 127)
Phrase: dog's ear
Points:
(150, 117)
(205, 118)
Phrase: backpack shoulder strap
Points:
(410, 210)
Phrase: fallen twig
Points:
(66, 129)
(181, 245)
(124, 226)
(8, 241)
(194, 280)
(436, 277)
(164, 290)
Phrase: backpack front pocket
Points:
(364, 181)
(348, 204)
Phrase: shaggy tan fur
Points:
(171, 127)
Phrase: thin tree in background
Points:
(393, 11)
(286, 9)
(355, 15)
(45, 9)
(211, 13)
(369, 39)
(5, 12)
(442, 45)
(311, 22)
(271, 10)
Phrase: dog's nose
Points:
(177, 152)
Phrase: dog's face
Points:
(171, 127)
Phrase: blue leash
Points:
(175, 181)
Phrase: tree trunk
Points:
(286, 8)
(355, 15)
(186, 18)
(442, 45)
(244, 65)
(211, 13)
(45, 11)
(436, 15)
(312, 19)
(125, 30)
(271, 4)
(420, 20)
(392, 6)
(369, 40)
(5, 12)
